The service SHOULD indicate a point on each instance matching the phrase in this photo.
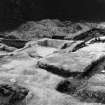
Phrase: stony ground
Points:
(53, 63)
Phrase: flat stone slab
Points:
(66, 63)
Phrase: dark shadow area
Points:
(58, 71)
(15, 12)
(65, 87)
(14, 42)
(75, 10)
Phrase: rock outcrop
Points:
(12, 94)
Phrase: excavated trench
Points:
(14, 42)
(92, 33)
